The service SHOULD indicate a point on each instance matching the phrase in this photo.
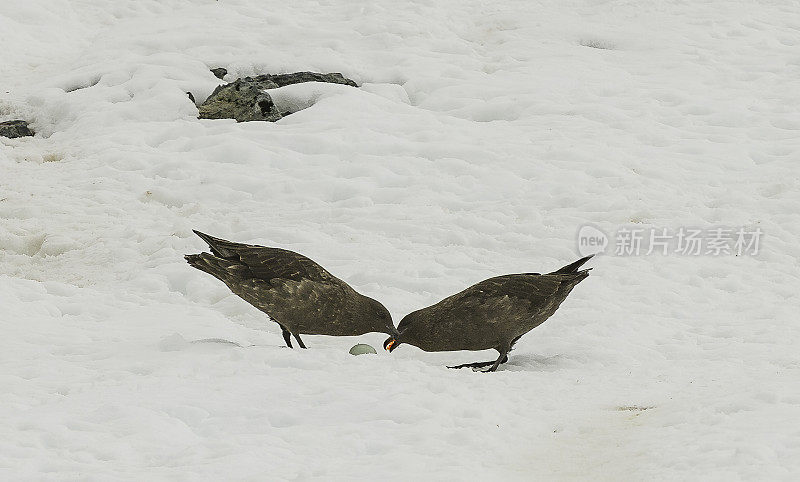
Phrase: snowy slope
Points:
(484, 136)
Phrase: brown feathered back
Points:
(297, 293)
(491, 314)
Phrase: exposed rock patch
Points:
(243, 100)
(298, 77)
(246, 100)
(15, 128)
(219, 72)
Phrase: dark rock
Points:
(15, 128)
(191, 97)
(245, 99)
(219, 72)
(298, 77)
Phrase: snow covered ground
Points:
(484, 136)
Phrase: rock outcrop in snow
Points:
(246, 100)
(15, 128)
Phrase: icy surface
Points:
(484, 136)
